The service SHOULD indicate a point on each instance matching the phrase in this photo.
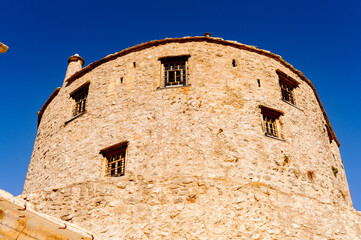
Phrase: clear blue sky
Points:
(320, 38)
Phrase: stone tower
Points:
(190, 138)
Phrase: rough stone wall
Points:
(176, 131)
(191, 207)
(210, 133)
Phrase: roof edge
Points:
(45, 226)
(41, 111)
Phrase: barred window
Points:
(270, 121)
(80, 96)
(287, 85)
(115, 159)
(287, 92)
(175, 71)
(115, 164)
(270, 126)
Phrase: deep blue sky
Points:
(320, 38)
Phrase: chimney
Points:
(3, 48)
(75, 64)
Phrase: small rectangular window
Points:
(270, 125)
(115, 159)
(175, 71)
(80, 96)
(115, 164)
(287, 92)
(287, 85)
(270, 121)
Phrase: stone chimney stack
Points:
(3, 48)
(75, 64)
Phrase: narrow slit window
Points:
(234, 63)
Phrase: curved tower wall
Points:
(186, 145)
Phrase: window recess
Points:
(115, 157)
(80, 96)
(175, 70)
(270, 118)
(287, 85)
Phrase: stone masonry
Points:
(198, 163)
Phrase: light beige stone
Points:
(198, 163)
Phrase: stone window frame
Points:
(287, 86)
(80, 96)
(174, 60)
(271, 122)
(79, 105)
(115, 158)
